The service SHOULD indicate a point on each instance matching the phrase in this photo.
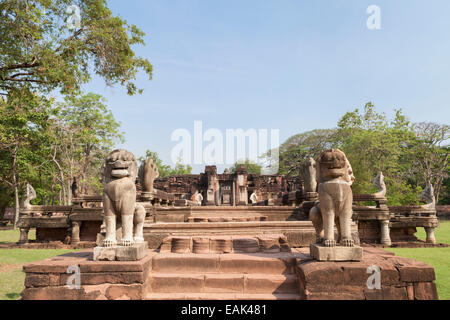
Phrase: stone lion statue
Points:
(335, 176)
(119, 199)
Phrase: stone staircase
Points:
(242, 276)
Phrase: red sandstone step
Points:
(222, 296)
(223, 283)
(276, 263)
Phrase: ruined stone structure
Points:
(283, 205)
(228, 189)
(232, 251)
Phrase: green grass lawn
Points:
(11, 261)
(11, 236)
(438, 258)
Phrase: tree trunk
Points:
(16, 189)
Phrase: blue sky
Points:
(288, 65)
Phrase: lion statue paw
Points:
(109, 243)
(329, 243)
(347, 243)
(127, 242)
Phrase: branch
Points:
(25, 65)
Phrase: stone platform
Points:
(258, 276)
(100, 280)
(298, 233)
(269, 243)
(401, 278)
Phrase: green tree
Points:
(42, 50)
(296, 150)
(164, 169)
(84, 131)
(372, 144)
(251, 166)
(23, 122)
(432, 153)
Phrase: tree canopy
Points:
(410, 155)
(252, 167)
(58, 44)
(164, 169)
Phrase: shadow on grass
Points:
(13, 296)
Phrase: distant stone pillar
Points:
(241, 186)
(24, 235)
(430, 235)
(385, 233)
(75, 232)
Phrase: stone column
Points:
(75, 232)
(24, 235)
(430, 235)
(385, 233)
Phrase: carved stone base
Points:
(136, 252)
(338, 253)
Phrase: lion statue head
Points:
(119, 164)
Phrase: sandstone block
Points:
(221, 245)
(224, 283)
(166, 245)
(185, 263)
(37, 280)
(425, 291)
(133, 253)
(269, 283)
(240, 263)
(176, 283)
(338, 253)
(269, 244)
(125, 292)
(200, 245)
(248, 244)
(181, 244)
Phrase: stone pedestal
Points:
(76, 225)
(430, 235)
(135, 252)
(398, 278)
(338, 253)
(24, 235)
(385, 233)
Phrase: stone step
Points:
(267, 243)
(221, 296)
(276, 263)
(223, 283)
